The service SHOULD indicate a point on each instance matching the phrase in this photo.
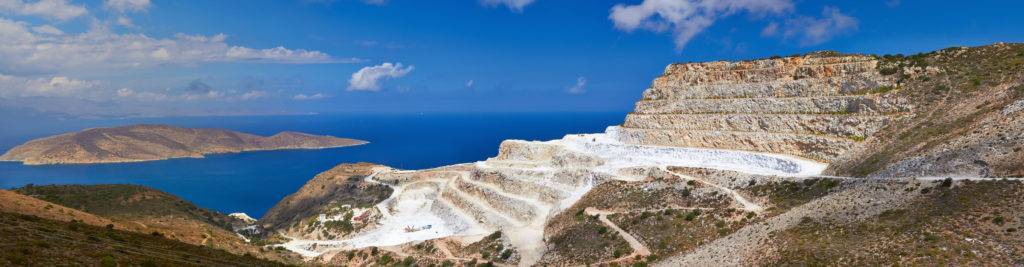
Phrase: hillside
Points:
(146, 210)
(968, 120)
(336, 191)
(157, 142)
(12, 202)
(32, 241)
(720, 163)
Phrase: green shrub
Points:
(999, 221)
(108, 261)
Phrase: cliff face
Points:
(816, 106)
(156, 142)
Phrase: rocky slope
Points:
(721, 163)
(816, 106)
(157, 142)
(969, 120)
(341, 191)
(516, 193)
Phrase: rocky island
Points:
(157, 142)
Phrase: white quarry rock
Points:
(527, 183)
(242, 216)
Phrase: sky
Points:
(145, 58)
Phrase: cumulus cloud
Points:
(25, 50)
(579, 88)
(813, 31)
(687, 18)
(50, 9)
(514, 5)
(302, 97)
(369, 78)
(127, 5)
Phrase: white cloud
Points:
(126, 22)
(14, 86)
(369, 78)
(255, 94)
(50, 9)
(99, 48)
(47, 29)
(514, 5)
(308, 97)
(579, 88)
(127, 5)
(687, 18)
(145, 96)
(813, 31)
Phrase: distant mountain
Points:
(157, 142)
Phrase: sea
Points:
(252, 182)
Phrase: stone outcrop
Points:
(157, 142)
(816, 106)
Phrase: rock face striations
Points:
(816, 106)
(516, 193)
(157, 142)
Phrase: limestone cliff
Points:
(816, 106)
(156, 142)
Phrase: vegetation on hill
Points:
(148, 210)
(962, 98)
(125, 202)
(32, 241)
(952, 223)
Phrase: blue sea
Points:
(252, 182)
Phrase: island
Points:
(146, 142)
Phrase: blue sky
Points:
(173, 58)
